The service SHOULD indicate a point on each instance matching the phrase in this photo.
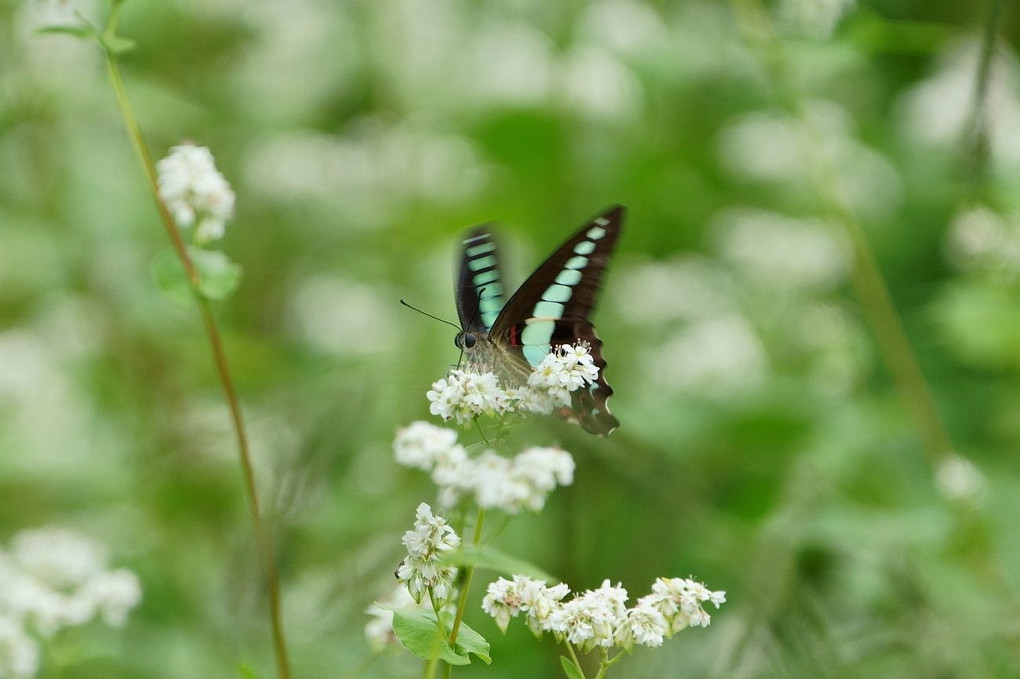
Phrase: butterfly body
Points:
(550, 309)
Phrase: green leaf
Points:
(76, 31)
(570, 669)
(246, 672)
(421, 634)
(168, 273)
(219, 276)
(116, 45)
(470, 641)
(495, 560)
(981, 323)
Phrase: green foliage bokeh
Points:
(764, 446)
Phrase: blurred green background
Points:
(764, 448)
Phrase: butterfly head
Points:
(466, 340)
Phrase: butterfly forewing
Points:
(563, 288)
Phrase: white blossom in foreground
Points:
(422, 569)
(195, 192)
(600, 618)
(465, 394)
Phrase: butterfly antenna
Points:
(425, 313)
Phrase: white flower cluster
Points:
(464, 395)
(565, 369)
(195, 191)
(981, 239)
(494, 481)
(957, 478)
(599, 618)
(52, 578)
(422, 569)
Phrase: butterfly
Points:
(551, 308)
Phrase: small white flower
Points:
(497, 482)
(57, 557)
(539, 601)
(680, 599)
(645, 626)
(423, 446)
(464, 395)
(431, 534)
(567, 368)
(981, 239)
(114, 594)
(530, 400)
(599, 618)
(502, 601)
(55, 578)
(493, 484)
(422, 569)
(591, 619)
(958, 478)
(541, 470)
(195, 192)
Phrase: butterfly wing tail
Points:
(588, 406)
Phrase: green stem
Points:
(430, 668)
(865, 276)
(482, 431)
(442, 630)
(263, 544)
(977, 132)
(573, 656)
(603, 664)
(470, 570)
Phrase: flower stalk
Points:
(263, 544)
(476, 540)
(865, 276)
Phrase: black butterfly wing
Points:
(479, 284)
(553, 306)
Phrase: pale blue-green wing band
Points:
(480, 293)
